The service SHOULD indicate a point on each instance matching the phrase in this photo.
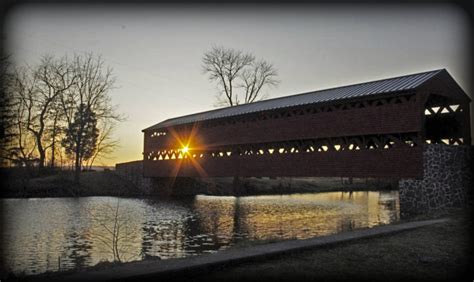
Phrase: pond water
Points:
(51, 234)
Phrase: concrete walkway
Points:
(168, 268)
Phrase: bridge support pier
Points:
(446, 182)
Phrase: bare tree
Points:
(54, 134)
(105, 143)
(115, 229)
(24, 148)
(54, 100)
(89, 94)
(37, 90)
(261, 74)
(22, 90)
(233, 69)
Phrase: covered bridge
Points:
(371, 129)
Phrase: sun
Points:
(185, 149)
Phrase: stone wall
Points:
(162, 186)
(446, 182)
(133, 172)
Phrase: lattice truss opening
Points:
(157, 134)
(308, 146)
(291, 112)
(312, 109)
(444, 120)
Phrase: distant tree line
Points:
(57, 113)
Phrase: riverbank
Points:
(17, 184)
(440, 252)
(409, 251)
(249, 186)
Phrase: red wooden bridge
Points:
(372, 129)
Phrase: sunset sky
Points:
(155, 50)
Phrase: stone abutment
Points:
(446, 182)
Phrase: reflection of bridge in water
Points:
(220, 222)
(373, 129)
(297, 216)
(40, 231)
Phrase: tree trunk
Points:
(42, 154)
(52, 154)
(77, 162)
(77, 168)
(53, 147)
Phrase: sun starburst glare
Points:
(185, 149)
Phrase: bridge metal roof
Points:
(401, 83)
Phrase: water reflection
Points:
(65, 233)
(296, 216)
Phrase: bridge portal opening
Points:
(444, 121)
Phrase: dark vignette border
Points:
(6, 7)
